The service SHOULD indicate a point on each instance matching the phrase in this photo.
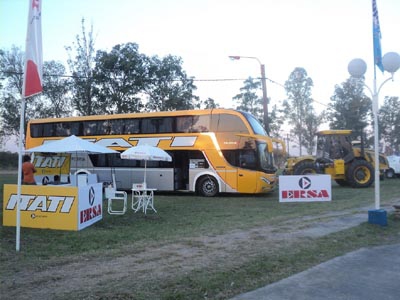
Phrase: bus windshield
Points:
(266, 158)
(255, 124)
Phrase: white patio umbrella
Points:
(146, 152)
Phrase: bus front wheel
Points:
(207, 186)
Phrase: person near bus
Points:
(28, 169)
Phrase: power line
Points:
(194, 79)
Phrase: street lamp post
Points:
(264, 88)
(357, 68)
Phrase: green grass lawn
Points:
(187, 216)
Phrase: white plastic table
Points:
(142, 198)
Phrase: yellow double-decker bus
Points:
(213, 151)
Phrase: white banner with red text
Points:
(305, 188)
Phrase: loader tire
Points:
(360, 174)
(342, 182)
(304, 168)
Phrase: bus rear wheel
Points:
(207, 186)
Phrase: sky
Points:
(320, 36)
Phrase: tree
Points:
(53, 102)
(349, 107)
(81, 67)
(56, 90)
(248, 100)
(168, 87)
(12, 64)
(298, 106)
(10, 115)
(12, 67)
(8, 160)
(119, 77)
(210, 103)
(389, 121)
(276, 121)
(312, 123)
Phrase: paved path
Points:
(368, 273)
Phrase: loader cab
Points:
(334, 144)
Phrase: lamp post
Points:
(357, 68)
(264, 88)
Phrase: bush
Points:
(8, 160)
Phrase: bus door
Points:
(229, 176)
(187, 165)
(246, 174)
(181, 170)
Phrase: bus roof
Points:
(140, 115)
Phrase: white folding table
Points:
(142, 198)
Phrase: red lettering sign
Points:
(90, 213)
(294, 194)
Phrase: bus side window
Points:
(232, 157)
(248, 159)
(75, 128)
(87, 128)
(230, 123)
(116, 126)
(36, 130)
(183, 124)
(165, 125)
(201, 123)
(148, 126)
(48, 129)
(60, 130)
(157, 125)
(130, 126)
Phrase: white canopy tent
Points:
(71, 144)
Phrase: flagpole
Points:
(20, 144)
(375, 111)
(376, 39)
(32, 85)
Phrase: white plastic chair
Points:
(82, 179)
(115, 196)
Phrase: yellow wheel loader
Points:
(347, 164)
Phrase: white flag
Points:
(33, 51)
